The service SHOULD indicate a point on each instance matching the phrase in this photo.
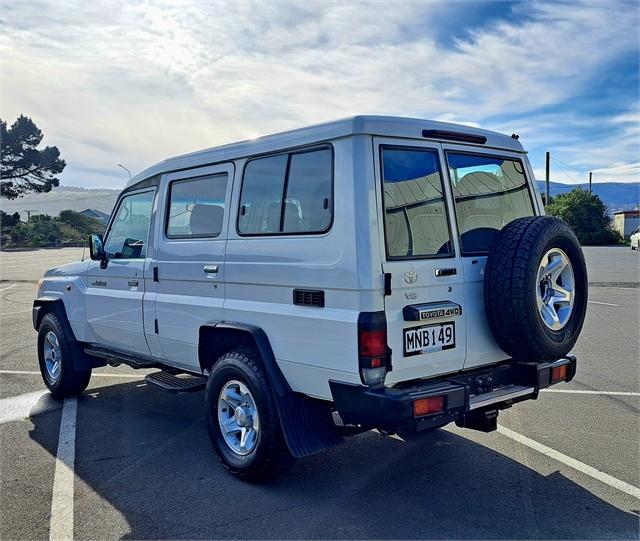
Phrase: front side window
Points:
(129, 231)
(415, 215)
(489, 193)
(287, 194)
(196, 207)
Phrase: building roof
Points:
(97, 214)
(632, 213)
(388, 126)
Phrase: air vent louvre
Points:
(308, 297)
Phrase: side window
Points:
(307, 204)
(489, 193)
(129, 232)
(261, 197)
(287, 193)
(196, 207)
(415, 214)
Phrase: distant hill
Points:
(62, 198)
(616, 195)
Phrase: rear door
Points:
(190, 259)
(426, 319)
(490, 189)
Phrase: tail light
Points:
(373, 353)
(559, 373)
(428, 406)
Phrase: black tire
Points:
(67, 381)
(270, 455)
(510, 289)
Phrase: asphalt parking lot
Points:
(139, 465)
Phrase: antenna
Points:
(123, 167)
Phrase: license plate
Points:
(429, 338)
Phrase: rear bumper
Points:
(471, 399)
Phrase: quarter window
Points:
(415, 214)
(196, 207)
(287, 194)
(489, 193)
(129, 232)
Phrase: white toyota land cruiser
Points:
(373, 272)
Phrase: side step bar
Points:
(176, 383)
(115, 359)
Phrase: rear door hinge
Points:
(155, 326)
(387, 283)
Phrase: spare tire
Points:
(535, 289)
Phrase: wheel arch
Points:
(216, 339)
(48, 304)
(307, 423)
(44, 305)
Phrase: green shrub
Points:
(587, 216)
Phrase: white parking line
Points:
(18, 312)
(36, 373)
(9, 287)
(604, 303)
(61, 523)
(572, 462)
(576, 391)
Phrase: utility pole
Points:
(29, 211)
(546, 177)
(590, 177)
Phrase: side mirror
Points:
(96, 248)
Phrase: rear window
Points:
(415, 215)
(489, 193)
(287, 194)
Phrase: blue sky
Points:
(136, 82)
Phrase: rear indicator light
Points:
(373, 343)
(558, 373)
(428, 406)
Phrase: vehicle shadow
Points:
(147, 454)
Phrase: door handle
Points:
(210, 269)
(446, 272)
(133, 283)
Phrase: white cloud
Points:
(136, 82)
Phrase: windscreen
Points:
(489, 193)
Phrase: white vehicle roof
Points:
(385, 126)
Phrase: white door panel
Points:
(114, 305)
(190, 259)
(426, 266)
(116, 286)
(481, 211)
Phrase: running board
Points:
(179, 383)
(501, 395)
(115, 358)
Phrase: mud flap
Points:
(307, 424)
